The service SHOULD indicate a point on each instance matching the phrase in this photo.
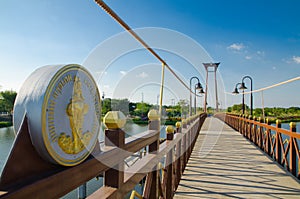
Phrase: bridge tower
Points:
(211, 67)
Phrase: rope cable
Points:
(118, 19)
(269, 87)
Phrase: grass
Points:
(5, 124)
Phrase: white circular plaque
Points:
(62, 104)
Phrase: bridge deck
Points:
(225, 165)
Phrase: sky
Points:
(256, 38)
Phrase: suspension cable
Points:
(274, 85)
(269, 87)
(118, 19)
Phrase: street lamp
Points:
(198, 87)
(243, 87)
(236, 91)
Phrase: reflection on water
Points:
(7, 137)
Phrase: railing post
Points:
(82, 191)
(114, 136)
(154, 124)
(184, 146)
(260, 134)
(189, 140)
(292, 149)
(278, 154)
(249, 128)
(178, 170)
(254, 130)
(245, 126)
(240, 123)
(169, 188)
(267, 140)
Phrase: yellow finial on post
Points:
(114, 120)
(170, 132)
(178, 124)
(169, 129)
(153, 115)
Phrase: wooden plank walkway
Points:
(226, 165)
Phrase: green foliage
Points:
(229, 109)
(106, 105)
(142, 109)
(272, 113)
(5, 124)
(7, 100)
(120, 105)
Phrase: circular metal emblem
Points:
(70, 115)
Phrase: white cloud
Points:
(262, 53)
(142, 75)
(123, 72)
(236, 46)
(296, 59)
(248, 57)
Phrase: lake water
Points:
(287, 126)
(7, 137)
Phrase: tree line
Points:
(272, 112)
(7, 100)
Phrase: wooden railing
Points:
(56, 181)
(280, 144)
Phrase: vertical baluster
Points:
(292, 150)
(260, 133)
(254, 130)
(82, 191)
(249, 127)
(278, 154)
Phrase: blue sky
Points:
(256, 38)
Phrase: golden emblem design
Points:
(75, 110)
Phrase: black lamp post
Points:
(198, 87)
(236, 91)
(243, 87)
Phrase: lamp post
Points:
(243, 87)
(236, 91)
(199, 87)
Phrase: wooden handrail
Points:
(58, 182)
(134, 174)
(285, 152)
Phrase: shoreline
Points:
(5, 124)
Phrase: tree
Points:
(142, 109)
(7, 101)
(106, 105)
(120, 105)
(229, 109)
(183, 105)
